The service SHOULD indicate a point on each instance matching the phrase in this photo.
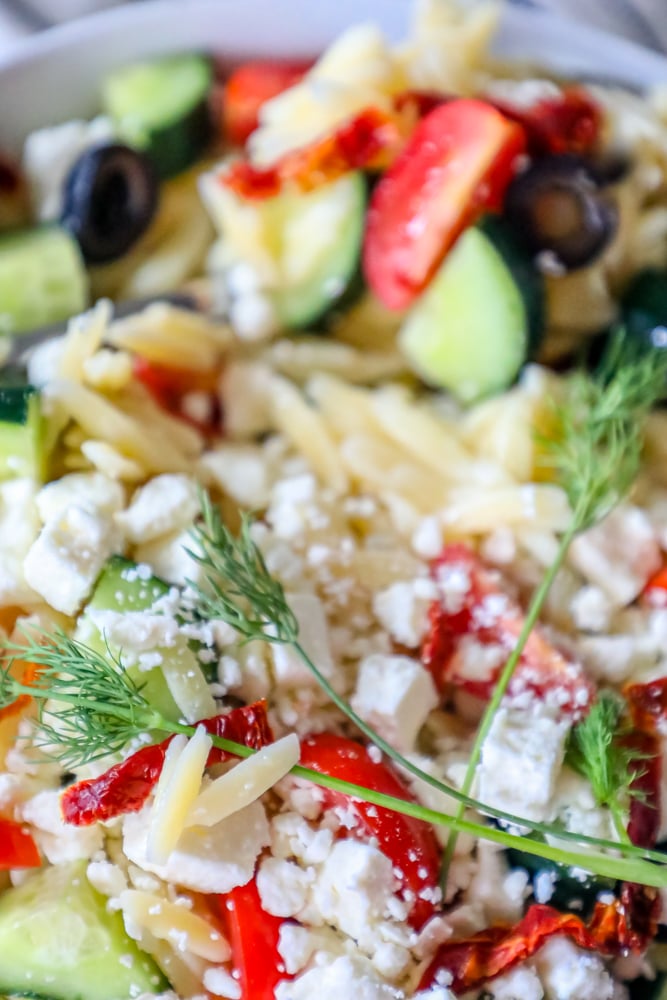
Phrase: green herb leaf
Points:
(596, 749)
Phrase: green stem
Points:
(619, 820)
(608, 866)
(500, 689)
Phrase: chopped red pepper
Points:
(251, 86)
(655, 592)
(477, 616)
(368, 141)
(494, 951)
(17, 847)
(409, 843)
(254, 935)
(568, 123)
(125, 787)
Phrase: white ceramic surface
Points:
(54, 76)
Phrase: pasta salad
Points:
(333, 593)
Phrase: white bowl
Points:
(55, 76)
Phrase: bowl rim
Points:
(95, 43)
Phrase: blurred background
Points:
(643, 20)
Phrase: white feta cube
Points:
(283, 886)
(290, 670)
(65, 560)
(403, 607)
(568, 973)
(522, 982)
(91, 491)
(166, 504)
(521, 759)
(169, 559)
(345, 976)
(242, 472)
(394, 695)
(355, 888)
(59, 841)
(213, 859)
(19, 527)
(619, 554)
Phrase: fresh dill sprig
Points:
(595, 457)
(241, 590)
(596, 749)
(97, 708)
(89, 706)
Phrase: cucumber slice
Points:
(470, 332)
(318, 238)
(178, 682)
(161, 106)
(58, 940)
(42, 279)
(22, 451)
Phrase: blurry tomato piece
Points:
(456, 165)
(568, 123)
(474, 628)
(249, 87)
(17, 847)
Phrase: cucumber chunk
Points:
(22, 449)
(42, 279)
(318, 245)
(161, 106)
(470, 332)
(176, 687)
(58, 940)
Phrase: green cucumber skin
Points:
(43, 279)
(58, 940)
(468, 332)
(527, 278)
(22, 444)
(570, 894)
(172, 126)
(115, 592)
(310, 304)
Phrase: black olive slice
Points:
(557, 208)
(110, 197)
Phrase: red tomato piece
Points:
(17, 847)
(254, 935)
(456, 165)
(410, 844)
(367, 141)
(476, 617)
(655, 592)
(252, 85)
(170, 386)
(569, 123)
(125, 787)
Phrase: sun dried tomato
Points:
(125, 787)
